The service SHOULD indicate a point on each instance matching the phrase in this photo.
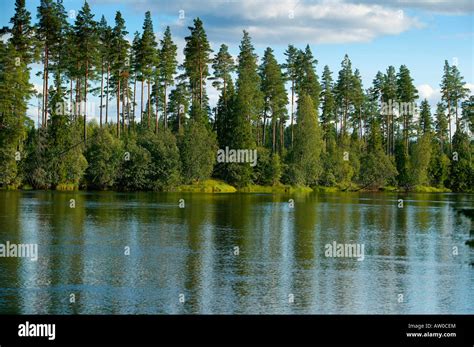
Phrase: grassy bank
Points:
(277, 189)
(218, 186)
(207, 186)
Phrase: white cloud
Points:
(284, 21)
(471, 87)
(433, 95)
(426, 91)
(435, 6)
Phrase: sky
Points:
(421, 34)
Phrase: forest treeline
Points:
(156, 129)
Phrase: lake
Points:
(178, 253)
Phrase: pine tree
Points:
(275, 98)
(459, 91)
(167, 68)
(104, 51)
(86, 40)
(407, 94)
(223, 66)
(196, 65)
(246, 111)
(447, 87)
(306, 165)
(441, 125)
(343, 92)
(467, 115)
(357, 100)
(135, 65)
(291, 74)
(178, 107)
(15, 91)
(148, 59)
(120, 61)
(48, 31)
(328, 108)
(22, 33)
(390, 98)
(425, 123)
(306, 77)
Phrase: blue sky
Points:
(374, 33)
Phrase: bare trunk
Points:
(141, 107)
(282, 135)
(157, 116)
(292, 109)
(70, 97)
(118, 108)
(107, 94)
(45, 104)
(101, 90)
(85, 102)
(149, 104)
(134, 99)
(165, 117)
(125, 105)
(42, 98)
(264, 125)
(274, 135)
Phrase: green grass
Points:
(427, 189)
(207, 186)
(389, 189)
(322, 189)
(277, 189)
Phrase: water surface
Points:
(193, 251)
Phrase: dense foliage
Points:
(157, 130)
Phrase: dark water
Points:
(190, 251)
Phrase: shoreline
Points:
(213, 186)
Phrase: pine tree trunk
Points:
(42, 100)
(78, 97)
(200, 86)
(118, 107)
(85, 102)
(45, 104)
(101, 89)
(273, 135)
(457, 124)
(124, 96)
(134, 98)
(165, 117)
(157, 116)
(149, 104)
(70, 97)
(107, 94)
(179, 119)
(141, 107)
(292, 108)
(282, 139)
